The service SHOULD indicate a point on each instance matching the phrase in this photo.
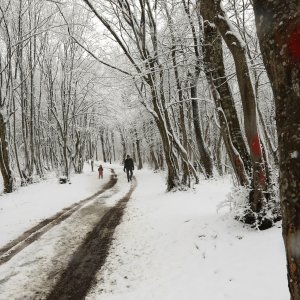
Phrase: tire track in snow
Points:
(32, 234)
(78, 278)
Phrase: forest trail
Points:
(76, 281)
(64, 259)
(12, 248)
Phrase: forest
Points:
(197, 89)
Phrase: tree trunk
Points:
(204, 155)
(272, 150)
(5, 169)
(123, 146)
(161, 159)
(65, 157)
(138, 150)
(103, 146)
(154, 159)
(278, 24)
(218, 155)
(185, 168)
(172, 175)
(215, 75)
(234, 156)
(31, 54)
(238, 51)
(214, 69)
(205, 158)
(113, 145)
(133, 152)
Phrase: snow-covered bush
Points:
(239, 209)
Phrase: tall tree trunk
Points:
(185, 168)
(278, 28)
(31, 65)
(172, 175)
(238, 51)
(38, 132)
(133, 152)
(113, 145)
(5, 169)
(123, 146)
(138, 150)
(161, 158)
(15, 143)
(210, 68)
(218, 155)
(65, 157)
(214, 69)
(272, 149)
(23, 100)
(234, 156)
(154, 159)
(103, 146)
(205, 158)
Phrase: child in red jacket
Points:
(100, 170)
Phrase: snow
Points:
(49, 255)
(223, 17)
(295, 154)
(176, 246)
(169, 245)
(29, 205)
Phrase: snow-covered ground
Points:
(32, 273)
(169, 245)
(29, 205)
(176, 246)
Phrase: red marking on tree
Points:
(287, 37)
(255, 145)
(237, 161)
(262, 177)
(294, 43)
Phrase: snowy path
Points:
(79, 276)
(32, 234)
(32, 273)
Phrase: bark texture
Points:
(278, 27)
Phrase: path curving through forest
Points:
(15, 246)
(79, 276)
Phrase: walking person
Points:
(129, 167)
(100, 171)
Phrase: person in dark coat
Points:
(129, 167)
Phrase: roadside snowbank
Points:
(176, 246)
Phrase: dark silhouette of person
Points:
(129, 167)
